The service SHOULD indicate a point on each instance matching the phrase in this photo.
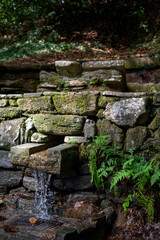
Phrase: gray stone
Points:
(3, 102)
(135, 137)
(10, 178)
(10, 132)
(82, 183)
(151, 144)
(15, 96)
(76, 139)
(88, 197)
(89, 129)
(93, 65)
(126, 112)
(45, 75)
(114, 133)
(94, 77)
(40, 138)
(83, 103)
(32, 95)
(5, 159)
(58, 124)
(29, 183)
(126, 94)
(68, 68)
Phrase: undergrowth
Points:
(107, 162)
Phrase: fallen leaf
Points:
(33, 220)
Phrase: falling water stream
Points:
(42, 183)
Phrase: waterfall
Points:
(42, 182)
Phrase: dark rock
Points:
(81, 183)
(10, 178)
(88, 197)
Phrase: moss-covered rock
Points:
(155, 124)
(135, 137)
(83, 103)
(9, 113)
(58, 124)
(33, 105)
(115, 134)
(103, 100)
(68, 68)
(13, 102)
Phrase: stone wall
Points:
(129, 119)
(134, 75)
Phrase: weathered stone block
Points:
(58, 124)
(93, 65)
(135, 137)
(65, 157)
(35, 104)
(26, 149)
(10, 132)
(68, 68)
(9, 112)
(114, 133)
(10, 178)
(126, 112)
(83, 103)
(44, 75)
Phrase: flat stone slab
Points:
(27, 149)
(77, 139)
(93, 65)
(126, 94)
(61, 159)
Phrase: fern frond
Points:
(155, 177)
(119, 176)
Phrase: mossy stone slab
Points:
(58, 124)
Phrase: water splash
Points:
(42, 182)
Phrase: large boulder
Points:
(58, 124)
(127, 112)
